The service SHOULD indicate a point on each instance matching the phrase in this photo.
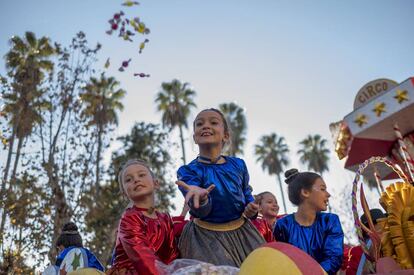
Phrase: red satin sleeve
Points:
(169, 251)
(264, 229)
(179, 223)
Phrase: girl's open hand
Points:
(197, 194)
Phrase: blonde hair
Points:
(259, 197)
(125, 166)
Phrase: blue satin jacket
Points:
(323, 240)
(231, 194)
(92, 260)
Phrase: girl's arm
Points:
(333, 246)
(251, 208)
(279, 232)
(247, 189)
(171, 241)
(197, 199)
(132, 236)
(192, 189)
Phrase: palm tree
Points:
(101, 98)
(237, 123)
(26, 64)
(272, 153)
(175, 100)
(314, 153)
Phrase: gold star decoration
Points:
(361, 120)
(379, 109)
(401, 96)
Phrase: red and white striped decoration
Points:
(379, 181)
(409, 162)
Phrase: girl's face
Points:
(209, 129)
(138, 182)
(318, 195)
(269, 206)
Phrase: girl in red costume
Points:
(268, 212)
(144, 235)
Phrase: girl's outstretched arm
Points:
(191, 178)
(197, 198)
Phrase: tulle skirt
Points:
(219, 244)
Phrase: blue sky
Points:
(295, 66)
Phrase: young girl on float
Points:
(70, 248)
(269, 208)
(318, 234)
(268, 214)
(144, 235)
(216, 187)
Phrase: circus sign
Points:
(373, 89)
(381, 124)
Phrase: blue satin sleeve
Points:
(92, 260)
(191, 177)
(332, 252)
(279, 232)
(247, 190)
(231, 193)
(202, 211)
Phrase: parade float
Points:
(280, 258)
(376, 140)
(381, 124)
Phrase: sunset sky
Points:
(295, 66)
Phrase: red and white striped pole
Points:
(379, 181)
(409, 162)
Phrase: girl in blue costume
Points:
(318, 234)
(70, 239)
(216, 188)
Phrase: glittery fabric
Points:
(264, 229)
(323, 240)
(142, 240)
(232, 192)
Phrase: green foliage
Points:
(101, 99)
(272, 153)
(149, 143)
(27, 207)
(27, 64)
(12, 262)
(236, 119)
(60, 116)
(314, 153)
(102, 217)
(54, 145)
(175, 101)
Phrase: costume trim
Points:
(228, 226)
